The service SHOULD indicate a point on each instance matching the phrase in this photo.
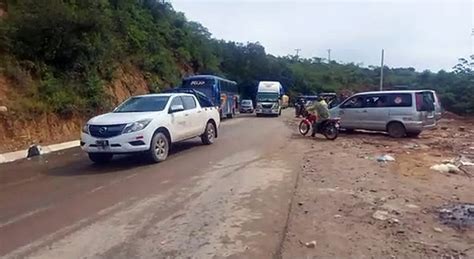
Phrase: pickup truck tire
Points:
(100, 158)
(209, 134)
(159, 148)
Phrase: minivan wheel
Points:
(209, 135)
(100, 158)
(396, 130)
(159, 148)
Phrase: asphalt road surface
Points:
(230, 199)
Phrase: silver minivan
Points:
(400, 113)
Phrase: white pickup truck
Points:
(149, 124)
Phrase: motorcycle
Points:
(329, 127)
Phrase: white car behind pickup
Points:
(149, 124)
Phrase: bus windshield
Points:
(267, 97)
(204, 85)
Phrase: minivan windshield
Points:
(143, 104)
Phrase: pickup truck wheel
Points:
(100, 158)
(159, 148)
(209, 135)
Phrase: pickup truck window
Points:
(177, 101)
(143, 104)
(189, 102)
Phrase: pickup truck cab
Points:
(149, 124)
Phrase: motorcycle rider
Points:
(299, 107)
(320, 109)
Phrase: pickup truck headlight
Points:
(85, 129)
(136, 126)
(259, 106)
(275, 105)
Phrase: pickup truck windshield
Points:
(143, 104)
(267, 97)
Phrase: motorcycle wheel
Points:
(304, 128)
(330, 131)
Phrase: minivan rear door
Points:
(426, 108)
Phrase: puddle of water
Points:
(458, 215)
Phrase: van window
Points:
(376, 101)
(399, 100)
(425, 101)
(354, 102)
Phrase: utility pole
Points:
(381, 72)
(329, 55)
(297, 52)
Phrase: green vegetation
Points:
(62, 53)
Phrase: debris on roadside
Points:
(311, 244)
(34, 150)
(3, 109)
(411, 146)
(458, 215)
(445, 168)
(454, 165)
(380, 215)
(412, 206)
(385, 158)
(436, 229)
(337, 216)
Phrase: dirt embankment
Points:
(18, 133)
(354, 206)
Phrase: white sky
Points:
(421, 34)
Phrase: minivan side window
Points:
(188, 102)
(376, 101)
(399, 100)
(354, 102)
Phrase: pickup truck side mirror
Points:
(176, 108)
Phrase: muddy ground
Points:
(354, 206)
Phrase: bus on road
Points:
(222, 92)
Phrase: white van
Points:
(400, 113)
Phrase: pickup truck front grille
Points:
(106, 131)
(267, 106)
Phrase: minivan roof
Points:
(395, 91)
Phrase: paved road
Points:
(227, 199)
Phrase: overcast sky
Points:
(417, 33)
